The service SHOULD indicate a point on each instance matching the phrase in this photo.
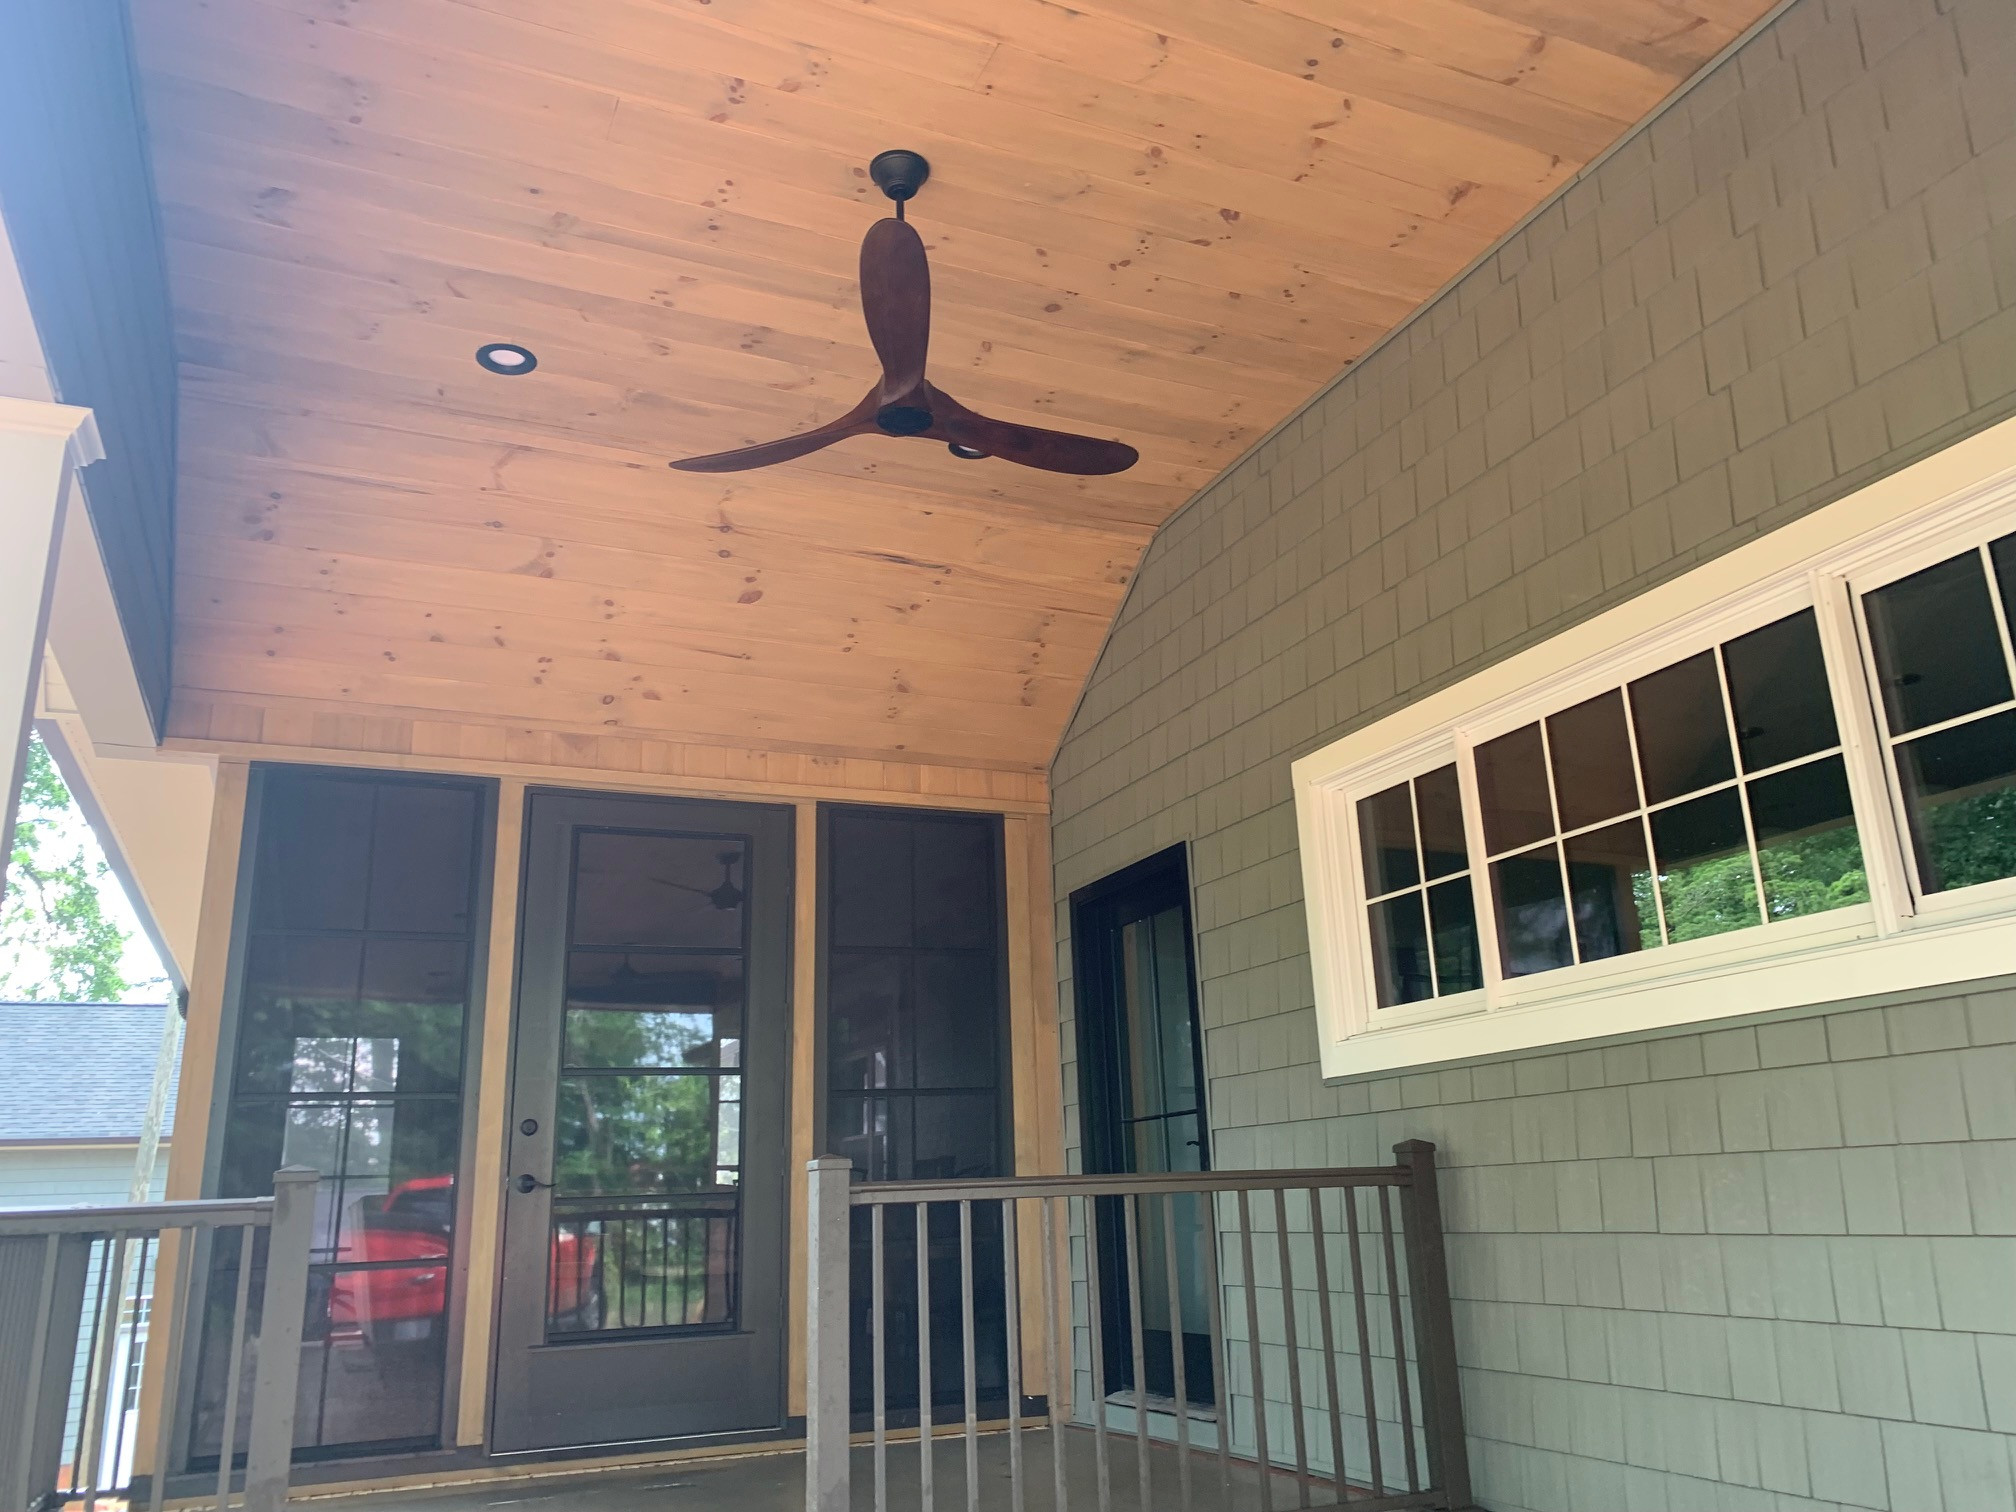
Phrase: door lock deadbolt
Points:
(529, 1126)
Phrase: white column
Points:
(40, 445)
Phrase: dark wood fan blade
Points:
(857, 420)
(1053, 451)
(896, 302)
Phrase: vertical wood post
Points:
(41, 444)
(828, 1376)
(269, 1449)
(1434, 1329)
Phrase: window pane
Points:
(314, 853)
(952, 1015)
(872, 860)
(639, 1135)
(2004, 554)
(1807, 845)
(663, 890)
(377, 1351)
(1960, 789)
(1512, 785)
(955, 885)
(868, 1035)
(1937, 648)
(1452, 920)
(1532, 916)
(1439, 802)
(1400, 950)
(641, 1270)
(1386, 837)
(1683, 734)
(421, 848)
(1611, 883)
(1705, 879)
(653, 1010)
(1592, 761)
(1778, 688)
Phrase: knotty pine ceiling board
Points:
(1169, 221)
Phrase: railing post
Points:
(828, 1379)
(269, 1448)
(1434, 1329)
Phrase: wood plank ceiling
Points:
(1164, 220)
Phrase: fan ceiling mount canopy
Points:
(896, 302)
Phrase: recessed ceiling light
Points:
(505, 357)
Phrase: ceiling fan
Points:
(896, 301)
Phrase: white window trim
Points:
(1896, 941)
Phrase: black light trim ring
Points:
(506, 358)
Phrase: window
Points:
(1788, 777)
(361, 920)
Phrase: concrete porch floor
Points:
(776, 1483)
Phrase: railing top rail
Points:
(136, 1218)
(1001, 1188)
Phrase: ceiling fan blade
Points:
(1053, 451)
(896, 302)
(853, 423)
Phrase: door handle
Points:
(529, 1184)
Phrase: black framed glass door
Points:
(1141, 1082)
(642, 1293)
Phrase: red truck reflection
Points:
(408, 1233)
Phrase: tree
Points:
(56, 942)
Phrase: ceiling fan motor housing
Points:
(899, 173)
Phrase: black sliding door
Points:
(1141, 1081)
(361, 917)
(914, 991)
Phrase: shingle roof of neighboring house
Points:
(78, 1070)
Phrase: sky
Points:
(140, 965)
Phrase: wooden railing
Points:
(1257, 1338)
(75, 1292)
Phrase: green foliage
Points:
(56, 943)
(1972, 839)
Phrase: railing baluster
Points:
(1221, 1359)
(1011, 1287)
(99, 1246)
(1177, 1365)
(924, 1487)
(1253, 1354)
(968, 1351)
(1096, 1320)
(1130, 1208)
(228, 1442)
(1056, 1338)
(1294, 1348)
(1364, 1341)
(878, 1323)
(1399, 1341)
(1330, 1382)
(38, 1354)
(123, 1477)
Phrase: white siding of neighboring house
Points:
(63, 1175)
